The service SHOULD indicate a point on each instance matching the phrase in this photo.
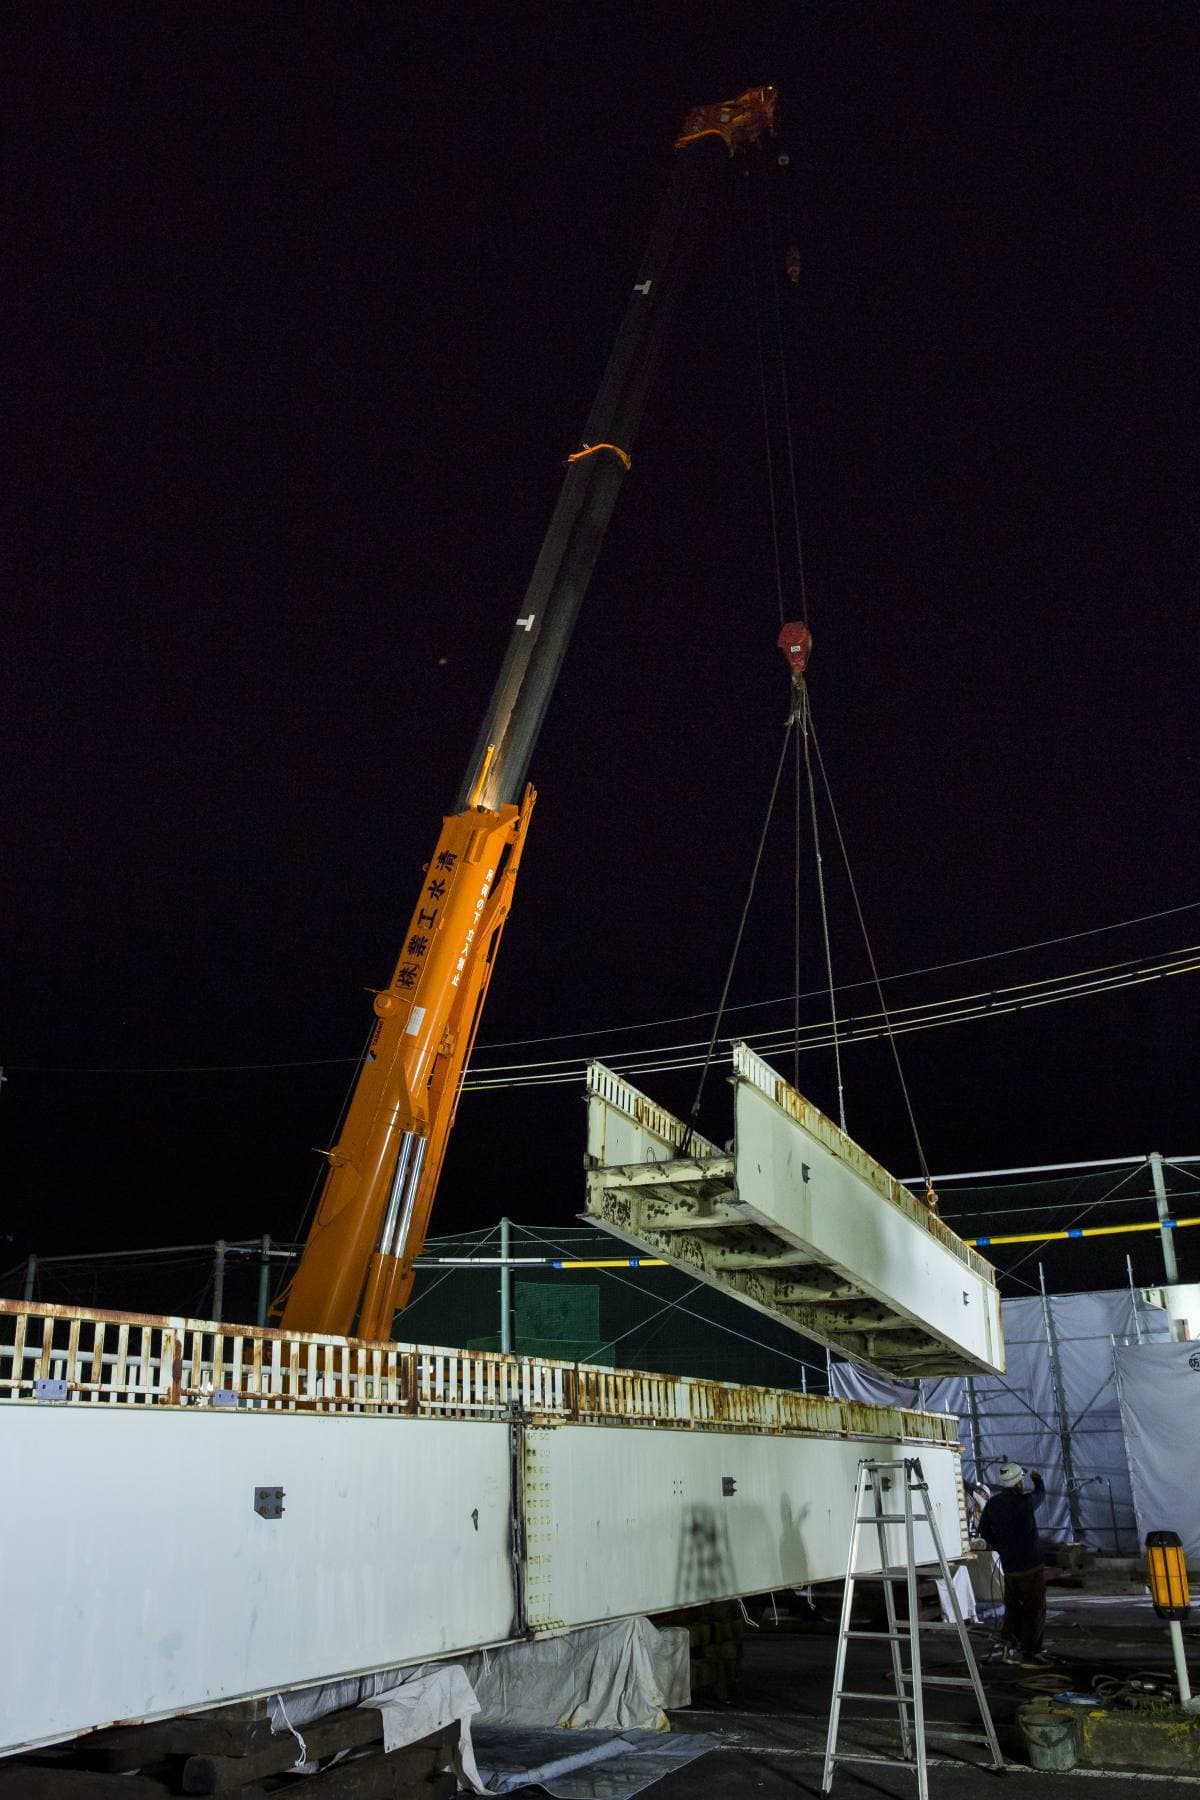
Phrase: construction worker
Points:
(1009, 1527)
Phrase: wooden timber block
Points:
(188, 1734)
(24, 1781)
(349, 1729)
(410, 1773)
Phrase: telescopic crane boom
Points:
(356, 1269)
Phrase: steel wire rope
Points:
(1080, 979)
(845, 987)
(785, 394)
(820, 862)
(796, 920)
(641, 1324)
(555, 1037)
(320, 1175)
(1017, 1212)
(756, 309)
(958, 1009)
(870, 955)
(435, 1285)
(1090, 1207)
(770, 465)
(972, 1016)
(737, 942)
(789, 441)
(764, 1037)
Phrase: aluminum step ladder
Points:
(883, 1489)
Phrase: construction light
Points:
(1167, 1572)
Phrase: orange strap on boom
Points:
(591, 449)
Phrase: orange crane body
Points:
(357, 1267)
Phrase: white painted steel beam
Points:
(140, 1581)
(800, 1223)
(658, 1520)
(146, 1584)
(433, 1502)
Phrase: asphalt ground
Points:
(773, 1732)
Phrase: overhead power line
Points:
(971, 1008)
(847, 987)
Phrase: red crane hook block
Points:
(795, 640)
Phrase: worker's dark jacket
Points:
(1009, 1526)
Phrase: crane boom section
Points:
(380, 1170)
(356, 1267)
(500, 759)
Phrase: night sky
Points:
(307, 306)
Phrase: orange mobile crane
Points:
(356, 1269)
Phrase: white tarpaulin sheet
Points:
(625, 1675)
(584, 1765)
(1160, 1403)
(620, 1677)
(1016, 1415)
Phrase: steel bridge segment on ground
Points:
(434, 1501)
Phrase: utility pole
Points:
(973, 1416)
(1060, 1405)
(218, 1305)
(505, 1289)
(1133, 1296)
(30, 1275)
(1167, 1232)
(264, 1279)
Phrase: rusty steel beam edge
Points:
(627, 1397)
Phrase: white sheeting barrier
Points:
(1160, 1404)
(1016, 1415)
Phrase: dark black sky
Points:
(309, 304)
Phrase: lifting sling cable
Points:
(803, 716)
(930, 1195)
(802, 743)
(798, 788)
(789, 438)
(694, 1115)
(314, 1192)
(763, 394)
(797, 714)
(812, 807)
(801, 694)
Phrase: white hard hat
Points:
(1011, 1474)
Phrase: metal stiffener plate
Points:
(268, 1502)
